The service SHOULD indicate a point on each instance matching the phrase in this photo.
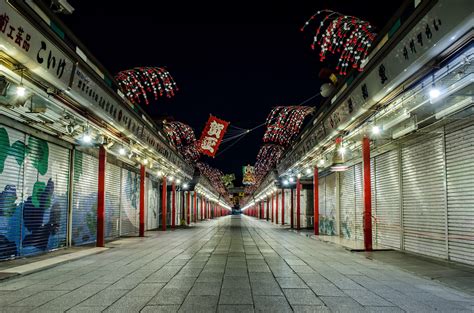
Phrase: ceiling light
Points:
(321, 162)
(145, 161)
(86, 138)
(178, 181)
(20, 91)
(291, 179)
(122, 151)
(285, 182)
(376, 130)
(308, 171)
(434, 93)
(185, 186)
(298, 175)
(397, 120)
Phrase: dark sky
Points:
(234, 59)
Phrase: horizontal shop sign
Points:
(438, 29)
(22, 41)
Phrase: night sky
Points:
(235, 59)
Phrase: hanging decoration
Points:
(212, 135)
(248, 173)
(139, 82)
(347, 37)
(215, 177)
(228, 180)
(182, 137)
(284, 123)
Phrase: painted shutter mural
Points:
(112, 201)
(33, 194)
(84, 211)
(347, 204)
(46, 196)
(460, 183)
(129, 202)
(11, 191)
(153, 203)
(322, 205)
(330, 212)
(424, 213)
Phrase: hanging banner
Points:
(248, 175)
(212, 136)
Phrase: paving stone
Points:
(199, 304)
(310, 309)
(160, 309)
(235, 296)
(206, 289)
(226, 308)
(301, 297)
(291, 282)
(271, 304)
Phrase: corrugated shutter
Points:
(12, 154)
(46, 193)
(328, 222)
(460, 187)
(129, 202)
(424, 210)
(287, 206)
(387, 195)
(359, 202)
(322, 204)
(347, 204)
(112, 201)
(153, 201)
(84, 217)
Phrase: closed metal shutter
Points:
(322, 204)
(287, 206)
(329, 222)
(12, 154)
(46, 193)
(347, 204)
(387, 197)
(129, 202)
(424, 210)
(152, 203)
(460, 189)
(359, 202)
(84, 216)
(112, 201)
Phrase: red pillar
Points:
(367, 195)
(273, 210)
(195, 207)
(101, 198)
(164, 203)
(291, 209)
(188, 204)
(298, 203)
(316, 200)
(283, 207)
(173, 205)
(201, 206)
(141, 229)
(268, 209)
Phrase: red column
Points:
(276, 207)
(141, 229)
(316, 200)
(195, 207)
(291, 209)
(188, 204)
(283, 207)
(164, 203)
(173, 205)
(298, 203)
(101, 198)
(367, 195)
(273, 210)
(201, 206)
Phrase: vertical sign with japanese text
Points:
(212, 136)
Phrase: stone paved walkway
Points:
(233, 264)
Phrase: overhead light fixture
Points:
(434, 93)
(339, 168)
(404, 131)
(376, 130)
(291, 179)
(308, 171)
(285, 182)
(321, 162)
(185, 186)
(122, 151)
(178, 181)
(171, 178)
(397, 120)
(298, 175)
(86, 138)
(145, 161)
(20, 91)
(342, 150)
(455, 107)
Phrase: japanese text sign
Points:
(212, 136)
